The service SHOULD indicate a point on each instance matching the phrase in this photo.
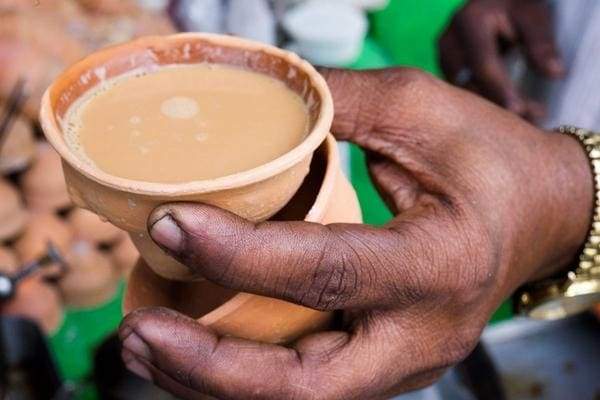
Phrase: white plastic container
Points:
(369, 5)
(329, 33)
(251, 19)
(154, 5)
(201, 15)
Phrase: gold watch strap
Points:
(580, 288)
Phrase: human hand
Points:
(483, 203)
(471, 49)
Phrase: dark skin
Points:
(484, 202)
(472, 49)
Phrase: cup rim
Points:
(311, 142)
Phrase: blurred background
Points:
(57, 323)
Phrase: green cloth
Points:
(409, 29)
(74, 344)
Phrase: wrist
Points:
(569, 184)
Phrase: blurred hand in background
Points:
(481, 33)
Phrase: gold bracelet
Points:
(579, 290)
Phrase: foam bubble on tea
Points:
(185, 123)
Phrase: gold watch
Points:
(579, 290)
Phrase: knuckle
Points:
(332, 286)
(404, 78)
(411, 77)
(336, 277)
(404, 89)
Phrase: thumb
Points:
(311, 264)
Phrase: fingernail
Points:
(134, 344)
(167, 233)
(138, 368)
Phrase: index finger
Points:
(325, 267)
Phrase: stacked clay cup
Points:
(257, 194)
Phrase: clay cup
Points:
(256, 194)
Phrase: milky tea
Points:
(185, 123)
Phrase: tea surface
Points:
(185, 123)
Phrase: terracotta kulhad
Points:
(13, 215)
(18, 148)
(256, 194)
(41, 230)
(46, 36)
(43, 184)
(9, 263)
